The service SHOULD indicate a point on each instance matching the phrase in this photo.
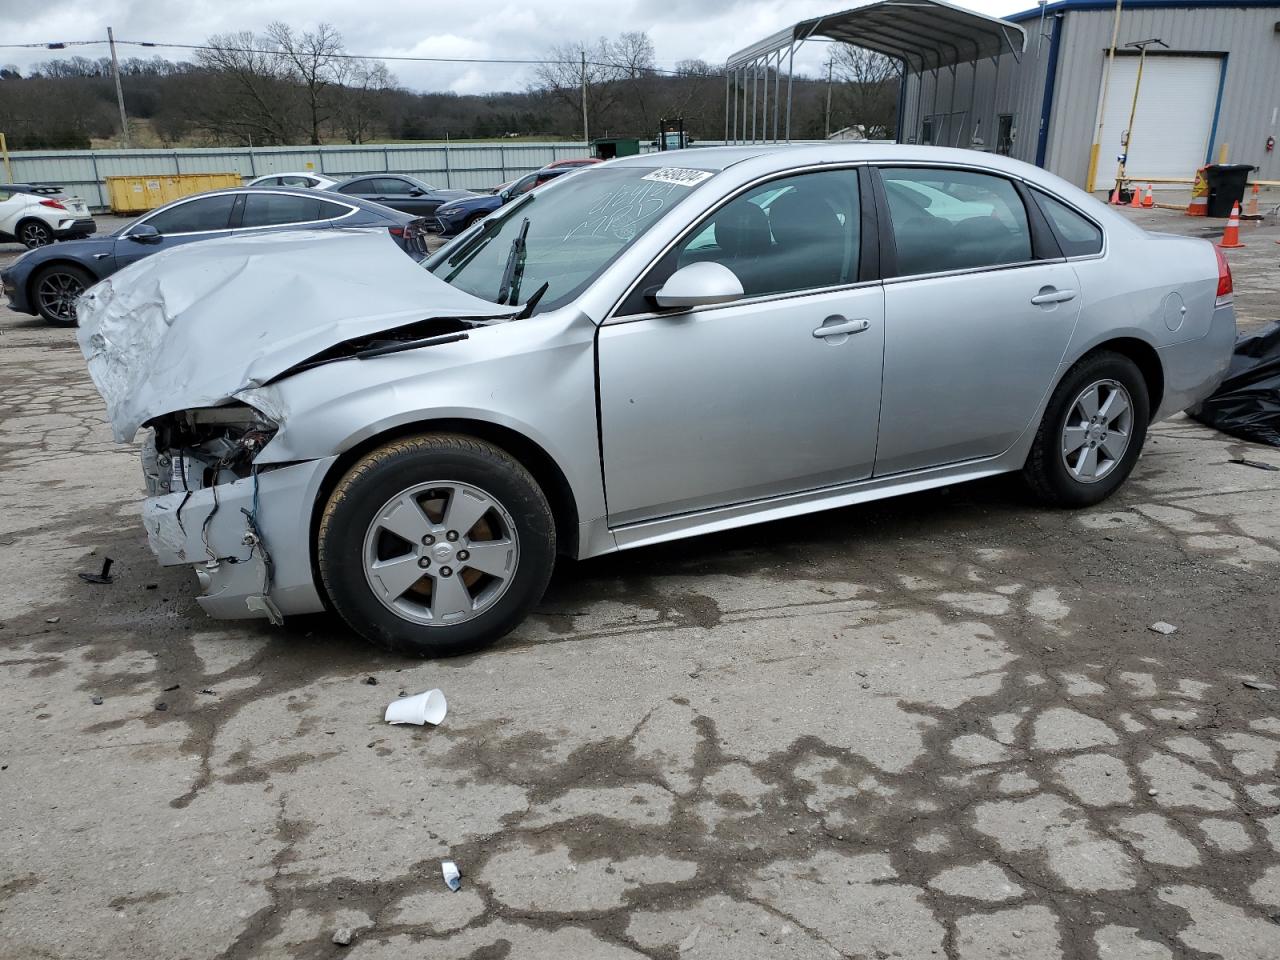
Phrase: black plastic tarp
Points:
(1248, 402)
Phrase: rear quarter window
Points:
(1077, 235)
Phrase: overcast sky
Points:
(706, 29)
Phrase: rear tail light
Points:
(1224, 275)
(399, 232)
(52, 203)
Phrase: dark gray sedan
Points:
(49, 280)
(399, 192)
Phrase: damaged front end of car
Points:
(205, 508)
(187, 348)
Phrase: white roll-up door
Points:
(1175, 115)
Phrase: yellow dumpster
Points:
(139, 194)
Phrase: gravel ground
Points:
(934, 726)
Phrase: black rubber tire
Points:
(1045, 473)
(380, 475)
(28, 231)
(473, 220)
(85, 278)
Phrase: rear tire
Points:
(55, 290)
(34, 233)
(436, 545)
(1092, 432)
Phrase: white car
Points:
(303, 178)
(36, 215)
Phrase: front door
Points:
(179, 223)
(977, 319)
(741, 401)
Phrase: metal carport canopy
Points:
(925, 34)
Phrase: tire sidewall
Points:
(343, 546)
(1106, 366)
(23, 228)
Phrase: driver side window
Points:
(195, 216)
(796, 233)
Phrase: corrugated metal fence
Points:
(469, 166)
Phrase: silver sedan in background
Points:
(652, 348)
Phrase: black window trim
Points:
(232, 215)
(1044, 245)
(641, 287)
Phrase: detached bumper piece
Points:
(248, 541)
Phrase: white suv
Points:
(36, 215)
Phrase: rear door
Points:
(284, 211)
(979, 309)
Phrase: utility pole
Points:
(830, 62)
(1102, 105)
(586, 135)
(115, 72)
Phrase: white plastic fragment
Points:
(429, 707)
(1161, 627)
(452, 876)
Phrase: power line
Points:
(59, 45)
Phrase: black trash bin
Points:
(1226, 186)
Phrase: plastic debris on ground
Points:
(452, 875)
(1256, 464)
(429, 707)
(1161, 627)
(103, 577)
(1247, 404)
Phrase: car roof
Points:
(45, 189)
(307, 193)
(294, 173)
(786, 155)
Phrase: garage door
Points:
(1175, 115)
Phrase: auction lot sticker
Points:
(679, 176)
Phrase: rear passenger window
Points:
(797, 233)
(954, 220)
(275, 209)
(1077, 236)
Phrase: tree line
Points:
(287, 86)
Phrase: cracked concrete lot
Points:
(933, 726)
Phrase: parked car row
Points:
(47, 281)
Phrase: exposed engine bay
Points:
(195, 449)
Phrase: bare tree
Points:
(250, 95)
(312, 59)
(868, 89)
(573, 66)
(360, 102)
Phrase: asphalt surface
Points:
(934, 726)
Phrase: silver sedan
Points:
(652, 348)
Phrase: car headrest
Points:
(742, 230)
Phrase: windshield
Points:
(569, 235)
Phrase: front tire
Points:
(1092, 432)
(435, 545)
(55, 290)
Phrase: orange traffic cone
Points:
(1251, 208)
(1135, 196)
(1198, 207)
(1231, 236)
(1147, 199)
(1115, 195)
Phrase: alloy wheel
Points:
(35, 235)
(57, 293)
(1097, 430)
(440, 553)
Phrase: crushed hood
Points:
(196, 325)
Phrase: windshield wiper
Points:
(509, 288)
(527, 310)
(399, 346)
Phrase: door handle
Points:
(1051, 295)
(839, 327)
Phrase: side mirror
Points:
(505, 195)
(144, 233)
(415, 192)
(700, 284)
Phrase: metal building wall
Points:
(1014, 86)
(1250, 100)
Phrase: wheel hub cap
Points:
(1095, 434)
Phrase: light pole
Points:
(1127, 140)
